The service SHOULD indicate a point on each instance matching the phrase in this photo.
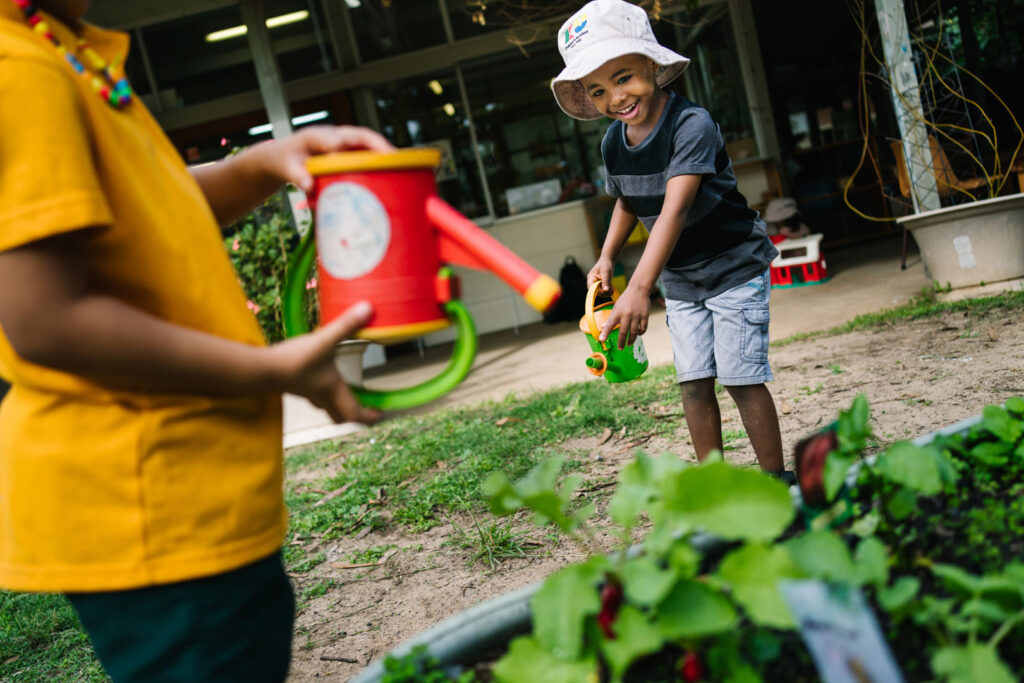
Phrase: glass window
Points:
(471, 18)
(713, 79)
(384, 28)
(534, 155)
(427, 111)
(191, 65)
(300, 41)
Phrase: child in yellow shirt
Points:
(140, 443)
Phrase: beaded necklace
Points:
(114, 90)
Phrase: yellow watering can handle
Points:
(595, 331)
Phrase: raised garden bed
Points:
(927, 535)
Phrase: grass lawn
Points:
(425, 467)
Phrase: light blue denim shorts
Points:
(725, 336)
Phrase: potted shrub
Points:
(921, 542)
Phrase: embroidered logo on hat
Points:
(575, 30)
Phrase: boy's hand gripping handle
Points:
(595, 331)
(465, 244)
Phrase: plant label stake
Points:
(607, 360)
(382, 234)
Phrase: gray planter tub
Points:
(971, 244)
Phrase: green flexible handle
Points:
(397, 399)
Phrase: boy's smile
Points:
(624, 89)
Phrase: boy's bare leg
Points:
(757, 410)
(703, 418)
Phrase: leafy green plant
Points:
(260, 246)
(680, 607)
(613, 611)
(419, 666)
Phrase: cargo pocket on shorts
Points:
(755, 334)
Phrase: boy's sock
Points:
(787, 477)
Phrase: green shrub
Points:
(259, 246)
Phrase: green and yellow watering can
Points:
(607, 359)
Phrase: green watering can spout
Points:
(299, 266)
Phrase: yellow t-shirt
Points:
(105, 489)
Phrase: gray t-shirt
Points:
(724, 243)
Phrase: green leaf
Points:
(872, 561)
(753, 573)
(526, 660)
(992, 453)
(500, 494)
(971, 664)
(986, 609)
(764, 646)
(644, 582)
(1001, 423)
(684, 559)
(693, 610)
(730, 502)
(627, 503)
(639, 483)
(902, 591)
(911, 466)
(853, 429)
(562, 605)
(635, 637)
(823, 555)
(742, 672)
(834, 473)
(957, 578)
(901, 503)
(1015, 405)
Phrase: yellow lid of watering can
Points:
(365, 160)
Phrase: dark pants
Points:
(235, 626)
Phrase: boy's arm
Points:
(238, 184)
(52, 318)
(634, 306)
(620, 227)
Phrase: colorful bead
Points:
(116, 91)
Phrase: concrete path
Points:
(863, 280)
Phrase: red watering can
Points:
(382, 234)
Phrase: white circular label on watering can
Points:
(353, 230)
(639, 353)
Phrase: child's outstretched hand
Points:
(305, 366)
(286, 159)
(630, 313)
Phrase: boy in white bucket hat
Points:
(667, 166)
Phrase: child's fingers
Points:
(323, 139)
(610, 324)
(346, 324)
(344, 407)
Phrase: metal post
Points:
(906, 99)
(476, 145)
(755, 83)
(268, 74)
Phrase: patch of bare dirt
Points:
(918, 376)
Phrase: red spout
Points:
(465, 244)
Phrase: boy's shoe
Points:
(787, 477)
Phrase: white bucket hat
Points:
(599, 32)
